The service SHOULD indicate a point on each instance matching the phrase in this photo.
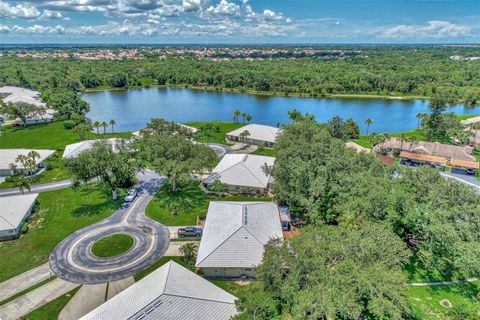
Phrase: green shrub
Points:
(25, 227)
(69, 124)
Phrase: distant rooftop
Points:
(14, 208)
(258, 132)
(8, 156)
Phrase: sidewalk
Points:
(24, 281)
(25, 304)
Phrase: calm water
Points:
(132, 109)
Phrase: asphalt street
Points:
(72, 259)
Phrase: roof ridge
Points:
(215, 249)
(265, 185)
(169, 265)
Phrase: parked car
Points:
(297, 222)
(470, 172)
(131, 195)
(189, 232)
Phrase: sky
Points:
(239, 21)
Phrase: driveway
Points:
(220, 149)
(72, 259)
(471, 181)
(38, 188)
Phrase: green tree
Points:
(175, 157)
(112, 123)
(22, 183)
(189, 252)
(331, 272)
(104, 124)
(113, 166)
(83, 129)
(236, 115)
(248, 117)
(368, 122)
(20, 110)
(97, 125)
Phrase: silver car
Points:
(131, 195)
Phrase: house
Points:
(14, 211)
(73, 150)
(171, 292)
(470, 121)
(9, 156)
(242, 171)
(429, 148)
(234, 237)
(257, 134)
(16, 94)
(358, 148)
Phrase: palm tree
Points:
(112, 123)
(32, 159)
(244, 135)
(249, 118)
(97, 125)
(22, 159)
(83, 129)
(22, 183)
(13, 169)
(420, 117)
(368, 122)
(244, 115)
(236, 115)
(402, 138)
(104, 124)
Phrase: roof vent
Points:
(245, 215)
(245, 158)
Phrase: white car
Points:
(131, 195)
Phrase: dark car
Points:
(189, 232)
(470, 172)
(297, 222)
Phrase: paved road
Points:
(467, 180)
(220, 149)
(38, 188)
(72, 259)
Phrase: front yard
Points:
(61, 212)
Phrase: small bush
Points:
(25, 227)
(69, 124)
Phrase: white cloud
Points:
(18, 11)
(432, 30)
(225, 8)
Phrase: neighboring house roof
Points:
(469, 121)
(242, 170)
(235, 234)
(388, 161)
(423, 157)
(8, 156)
(73, 150)
(357, 147)
(258, 132)
(14, 208)
(464, 164)
(170, 292)
(16, 94)
(191, 129)
(431, 148)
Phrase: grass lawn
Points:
(233, 287)
(43, 136)
(61, 213)
(216, 137)
(52, 309)
(365, 142)
(461, 117)
(160, 263)
(266, 152)
(188, 204)
(112, 245)
(426, 300)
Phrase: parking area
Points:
(466, 172)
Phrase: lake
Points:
(132, 109)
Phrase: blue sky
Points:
(240, 21)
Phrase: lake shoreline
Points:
(264, 93)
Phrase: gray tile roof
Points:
(73, 150)
(242, 170)
(235, 234)
(8, 156)
(14, 208)
(258, 132)
(170, 292)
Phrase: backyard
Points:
(212, 135)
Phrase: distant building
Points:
(358, 148)
(9, 156)
(242, 171)
(41, 117)
(234, 237)
(257, 134)
(171, 292)
(73, 150)
(14, 211)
